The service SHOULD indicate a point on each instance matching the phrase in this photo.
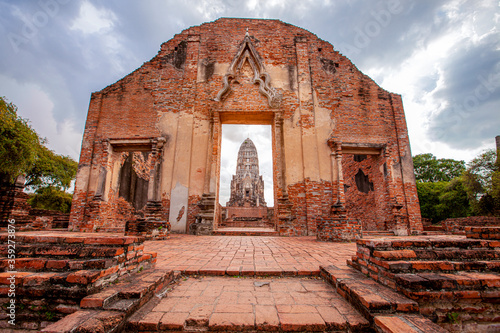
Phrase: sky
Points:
(443, 57)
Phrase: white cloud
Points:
(35, 104)
(92, 20)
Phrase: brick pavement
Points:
(248, 256)
(254, 283)
(242, 304)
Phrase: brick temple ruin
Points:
(247, 206)
(151, 160)
(152, 141)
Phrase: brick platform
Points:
(459, 225)
(55, 270)
(235, 283)
(455, 280)
(234, 255)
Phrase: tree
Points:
(52, 170)
(428, 196)
(51, 198)
(481, 183)
(22, 151)
(429, 169)
(18, 143)
(453, 200)
(440, 187)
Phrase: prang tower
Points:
(247, 186)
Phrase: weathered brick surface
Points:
(14, 206)
(459, 225)
(56, 270)
(444, 274)
(367, 199)
(318, 104)
(483, 232)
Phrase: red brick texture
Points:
(55, 271)
(14, 206)
(443, 274)
(173, 107)
(459, 225)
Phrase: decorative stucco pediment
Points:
(247, 53)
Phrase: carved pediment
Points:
(248, 54)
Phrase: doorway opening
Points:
(246, 184)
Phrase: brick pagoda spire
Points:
(247, 187)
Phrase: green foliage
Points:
(481, 182)
(51, 198)
(22, 151)
(18, 143)
(430, 169)
(442, 200)
(428, 195)
(453, 201)
(452, 317)
(51, 169)
(50, 315)
(447, 188)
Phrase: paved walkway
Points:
(293, 298)
(248, 255)
(240, 304)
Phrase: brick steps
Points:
(406, 324)
(448, 282)
(251, 308)
(419, 266)
(483, 233)
(244, 231)
(108, 310)
(55, 270)
(36, 264)
(365, 294)
(372, 233)
(387, 310)
(450, 274)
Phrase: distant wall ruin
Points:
(325, 116)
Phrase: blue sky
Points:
(443, 57)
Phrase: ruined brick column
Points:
(338, 227)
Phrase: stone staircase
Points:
(205, 219)
(247, 222)
(455, 280)
(54, 271)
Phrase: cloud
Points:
(92, 20)
(469, 93)
(435, 53)
(63, 137)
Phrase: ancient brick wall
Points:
(14, 206)
(367, 197)
(458, 225)
(245, 71)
